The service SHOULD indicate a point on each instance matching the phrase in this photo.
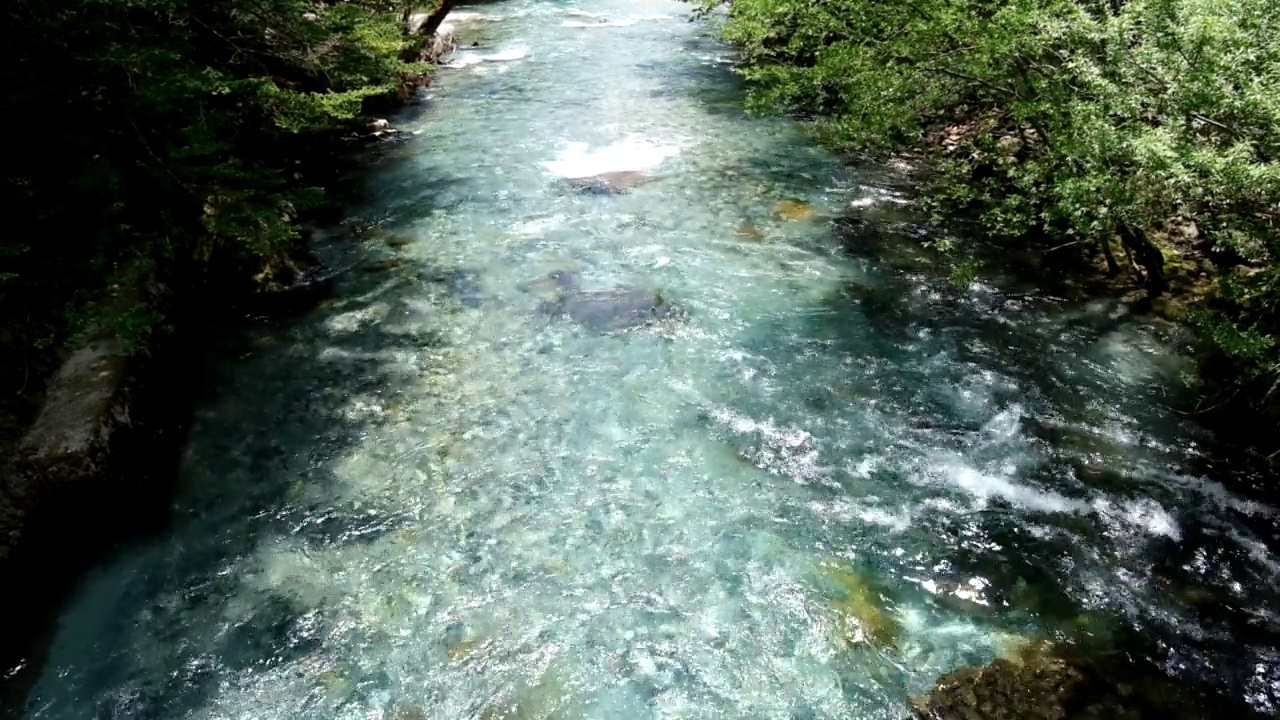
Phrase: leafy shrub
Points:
(1105, 122)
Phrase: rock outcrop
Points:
(88, 405)
(91, 468)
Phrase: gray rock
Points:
(602, 311)
(619, 182)
(86, 406)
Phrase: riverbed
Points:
(815, 470)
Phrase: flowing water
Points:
(826, 477)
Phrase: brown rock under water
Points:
(861, 614)
(794, 210)
(748, 230)
(1043, 681)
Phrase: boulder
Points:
(603, 311)
(87, 405)
(618, 182)
(794, 210)
(1045, 681)
(1038, 686)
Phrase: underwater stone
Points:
(794, 210)
(1043, 681)
(382, 265)
(602, 311)
(410, 712)
(619, 182)
(859, 608)
(748, 230)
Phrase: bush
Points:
(175, 129)
(1153, 125)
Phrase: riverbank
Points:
(176, 229)
(93, 468)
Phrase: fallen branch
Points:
(1211, 408)
(1063, 245)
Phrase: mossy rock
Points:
(1037, 686)
(859, 606)
(792, 209)
(1039, 680)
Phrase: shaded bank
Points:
(201, 139)
(192, 138)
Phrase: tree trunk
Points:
(1113, 267)
(1148, 257)
(433, 21)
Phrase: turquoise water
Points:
(433, 498)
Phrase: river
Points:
(829, 475)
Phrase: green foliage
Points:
(185, 128)
(964, 272)
(1086, 119)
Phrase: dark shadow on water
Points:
(270, 426)
(1196, 598)
(702, 71)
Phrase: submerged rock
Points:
(463, 285)
(397, 241)
(382, 265)
(602, 311)
(612, 310)
(1039, 680)
(748, 230)
(410, 712)
(461, 643)
(618, 182)
(794, 210)
(554, 284)
(544, 698)
(861, 615)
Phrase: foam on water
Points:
(462, 59)
(599, 23)
(578, 159)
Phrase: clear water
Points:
(430, 498)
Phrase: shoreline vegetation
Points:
(180, 148)
(170, 155)
(1138, 139)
